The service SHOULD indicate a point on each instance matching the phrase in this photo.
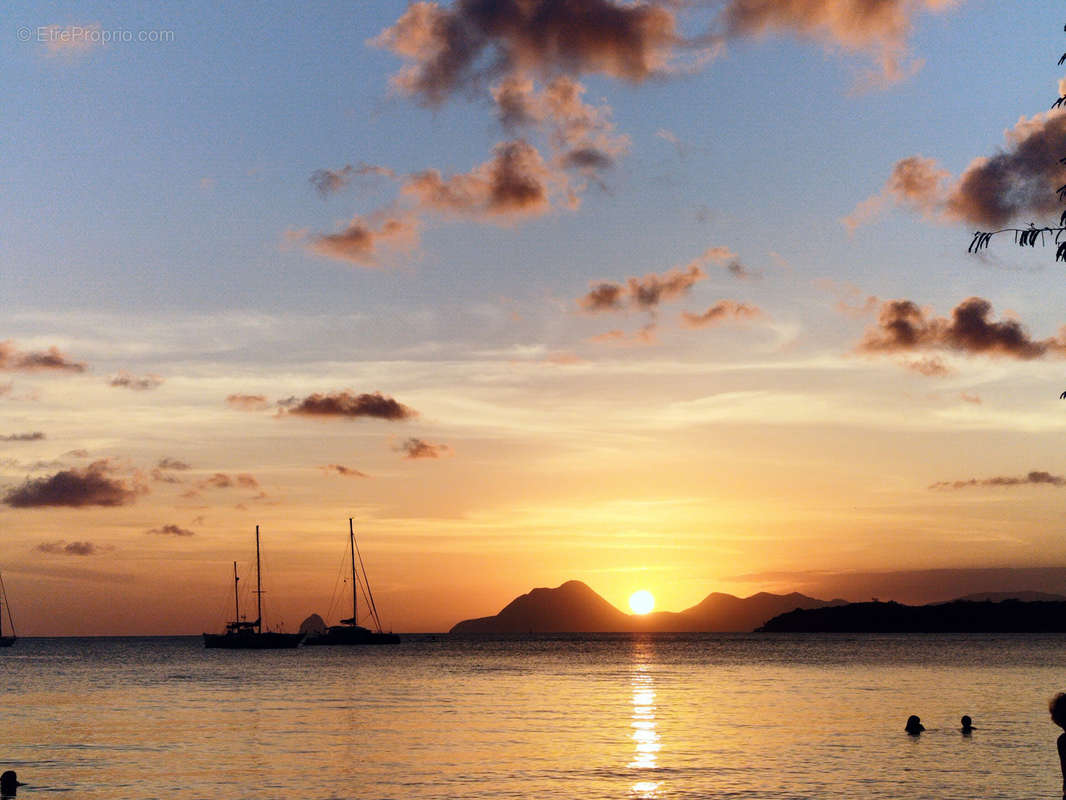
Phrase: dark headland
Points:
(958, 616)
(575, 608)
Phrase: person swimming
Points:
(914, 725)
(9, 784)
(967, 725)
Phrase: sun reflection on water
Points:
(645, 736)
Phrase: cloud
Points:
(362, 241)
(722, 311)
(643, 294)
(930, 367)
(172, 463)
(346, 472)
(330, 181)
(6, 388)
(903, 327)
(70, 40)
(78, 488)
(247, 402)
(221, 480)
(970, 398)
(581, 136)
(1020, 180)
(171, 530)
(643, 336)
(72, 549)
(879, 27)
(456, 48)
(514, 183)
(124, 380)
(419, 448)
(1034, 478)
(345, 405)
(35, 436)
(725, 257)
(50, 360)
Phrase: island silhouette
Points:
(574, 607)
(964, 615)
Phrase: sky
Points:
(672, 296)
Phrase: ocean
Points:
(678, 716)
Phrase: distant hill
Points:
(1028, 597)
(958, 616)
(575, 608)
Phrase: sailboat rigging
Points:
(5, 641)
(350, 632)
(244, 635)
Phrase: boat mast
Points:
(258, 587)
(366, 583)
(355, 590)
(236, 595)
(3, 600)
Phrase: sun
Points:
(641, 602)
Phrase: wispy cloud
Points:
(346, 472)
(1034, 478)
(419, 448)
(70, 40)
(641, 294)
(70, 548)
(171, 530)
(720, 312)
(247, 402)
(125, 380)
(34, 436)
(50, 360)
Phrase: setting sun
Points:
(641, 602)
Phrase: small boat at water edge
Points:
(245, 635)
(5, 641)
(350, 632)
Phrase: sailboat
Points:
(350, 632)
(5, 641)
(244, 635)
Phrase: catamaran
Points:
(350, 632)
(243, 634)
(5, 641)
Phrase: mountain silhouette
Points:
(958, 616)
(573, 607)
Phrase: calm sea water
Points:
(709, 716)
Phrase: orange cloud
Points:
(447, 48)
(880, 27)
(644, 293)
(247, 402)
(722, 311)
(362, 241)
(50, 360)
(903, 326)
(419, 448)
(1018, 181)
